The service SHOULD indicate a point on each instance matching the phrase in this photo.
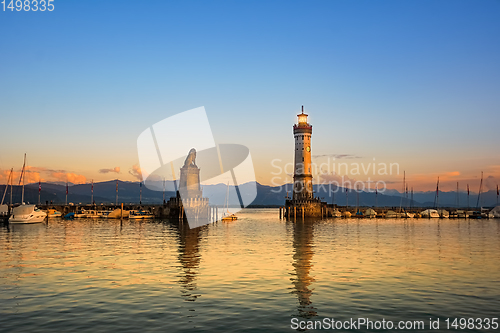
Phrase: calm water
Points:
(250, 275)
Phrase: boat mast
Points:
(331, 192)
(406, 198)
(402, 194)
(468, 205)
(498, 193)
(436, 198)
(11, 187)
(22, 178)
(411, 200)
(6, 186)
(480, 189)
(163, 190)
(346, 198)
(227, 198)
(357, 199)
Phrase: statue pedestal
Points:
(189, 183)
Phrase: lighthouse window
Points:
(303, 160)
(302, 137)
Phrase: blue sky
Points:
(413, 82)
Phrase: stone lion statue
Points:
(190, 159)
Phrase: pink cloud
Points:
(115, 170)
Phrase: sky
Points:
(409, 82)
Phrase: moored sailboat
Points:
(24, 214)
(370, 213)
(430, 213)
(336, 213)
(227, 215)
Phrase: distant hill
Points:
(449, 199)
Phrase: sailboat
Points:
(479, 213)
(227, 215)
(336, 213)
(370, 213)
(454, 214)
(25, 214)
(430, 213)
(433, 213)
(402, 211)
(442, 213)
(407, 213)
(495, 212)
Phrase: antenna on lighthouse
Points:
(302, 108)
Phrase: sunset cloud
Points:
(4, 176)
(447, 181)
(451, 174)
(136, 172)
(115, 169)
(69, 177)
(35, 174)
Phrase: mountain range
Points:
(133, 192)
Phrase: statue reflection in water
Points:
(302, 257)
(189, 258)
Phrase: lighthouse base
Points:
(295, 209)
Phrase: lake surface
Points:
(252, 275)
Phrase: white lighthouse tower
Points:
(302, 176)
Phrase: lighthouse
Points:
(303, 204)
(302, 176)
